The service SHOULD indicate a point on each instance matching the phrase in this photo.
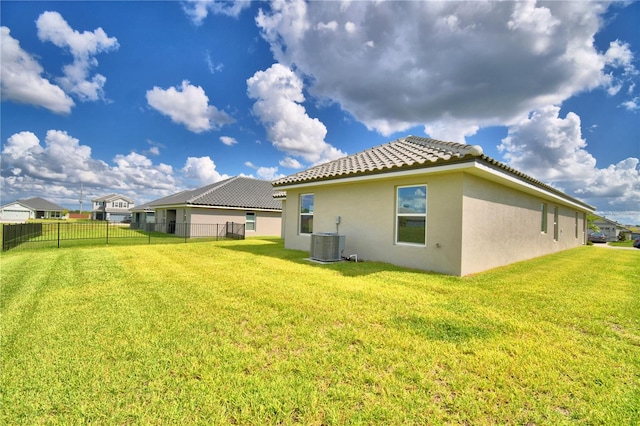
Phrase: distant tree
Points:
(591, 218)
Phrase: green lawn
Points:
(627, 243)
(245, 332)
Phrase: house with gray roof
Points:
(112, 208)
(31, 208)
(431, 205)
(611, 229)
(239, 200)
(143, 216)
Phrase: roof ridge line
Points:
(442, 144)
(214, 186)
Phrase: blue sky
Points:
(149, 98)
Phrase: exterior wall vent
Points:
(327, 247)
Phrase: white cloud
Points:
(279, 97)
(211, 66)
(139, 171)
(450, 129)
(83, 47)
(188, 105)
(624, 217)
(618, 57)
(552, 149)
(536, 21)
(56, 170)
(202, 170)
(287, 22)
(228, 140)
(266, 173)
(350, 27)
(290, 163)
(632, 104)
(61, 159)
(328, 26)
(20, 144)
(198, 10)
(476, 63)
(154, 148)
(21, 78)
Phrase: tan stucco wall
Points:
(502, 225)
(367, 219)
(268, 223)
(473, 224)
(283, 222)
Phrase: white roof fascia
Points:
(375, 176)
(201, 206)
(473, 167)
(14, 203)
(532, 188)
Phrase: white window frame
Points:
(301, 213)
(398, 215)
(247, 221)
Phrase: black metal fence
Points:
(58, 233)
(14, 235)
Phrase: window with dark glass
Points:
(306, 213)
(250, 221)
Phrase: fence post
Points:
(107, 232)
(58, 234)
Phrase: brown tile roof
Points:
(405, 153)
(411, 152)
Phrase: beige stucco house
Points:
(238, 200)
(432, 205)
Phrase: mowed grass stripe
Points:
(248, 333)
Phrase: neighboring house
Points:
(432, 205)
(142, 216)
(240, 200)
(32, 208)
(633, 232)
(610, 229)
(112, 207)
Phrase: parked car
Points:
(636, 243)
(597, 237)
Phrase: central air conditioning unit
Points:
(327, 247)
